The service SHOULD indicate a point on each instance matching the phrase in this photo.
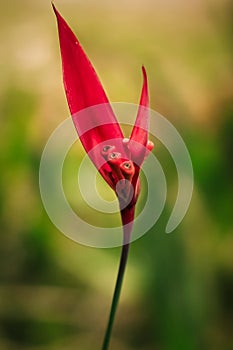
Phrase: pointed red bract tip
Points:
(54, 8)
(144, 101)
(139, 135)
(82, 86)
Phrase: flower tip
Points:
(144, 96)
(144, 72)
(55, 10)
(150, 145)
(53, 6)
(127, 169)
(144, 76)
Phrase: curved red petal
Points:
(83, 89)
(139, 135)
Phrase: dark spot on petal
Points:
(106, 148)
(114, 155)
(127, 165)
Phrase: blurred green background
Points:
(177, 293)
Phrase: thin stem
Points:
(123, 261)
(126, 219)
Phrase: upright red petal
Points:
(83, 89)
(139, 135)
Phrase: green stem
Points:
(126, 219)
(124, 255)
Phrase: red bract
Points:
(117, 159)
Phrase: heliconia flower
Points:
(117, 158)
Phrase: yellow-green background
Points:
(177, 293)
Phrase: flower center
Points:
(122, 172)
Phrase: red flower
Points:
(117, 159)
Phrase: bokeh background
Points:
(177, 293)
